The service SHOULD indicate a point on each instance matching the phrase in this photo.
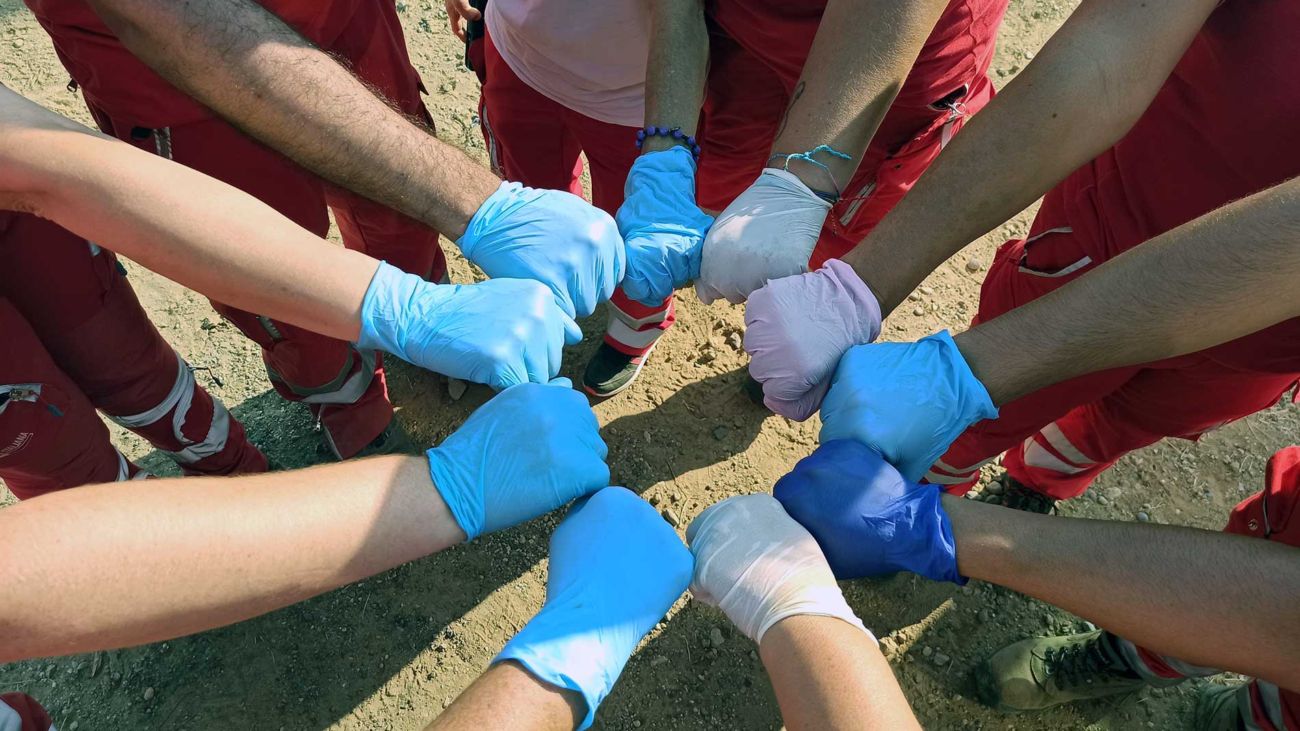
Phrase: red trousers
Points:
(538, 142)
(344, 387)
(1059, 439)
(20, 712)
(73, 339)
(1272, 514)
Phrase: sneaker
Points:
(1047, 671)
(392, 440)
(1218, 708)
(610, 371)
(1017, 496)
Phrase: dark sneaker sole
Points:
(636, 373)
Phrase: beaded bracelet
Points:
(676, 133)
(808, 158)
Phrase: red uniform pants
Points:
(1272, 514)
(74, 338)
(1059, 439)
(20, 712)
(344, 387)
(536, 141)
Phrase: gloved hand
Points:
(501, 332)
(663, 228)
(867, 519)
(615, 569)
(551, 236)
(759, 566)
(767, 232)
(526, 452)
(907, 401)
(797, 328)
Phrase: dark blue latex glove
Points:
(868, 520)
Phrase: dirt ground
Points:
(391, 652)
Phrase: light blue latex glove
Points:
(526, 452)
(551, 236)
(501, 332)
(615, 569)
(663, 228)
(907, 401)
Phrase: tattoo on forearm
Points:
(794, 99)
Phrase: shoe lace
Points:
(1077, 664)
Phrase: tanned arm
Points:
(1082, 93)
(1227, 274)
(266, 79)
(676, 69)
(860, 57)
(1231, 607)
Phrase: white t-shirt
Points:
(589, 55)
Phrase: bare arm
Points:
(177, 222)
(829, 675)
(1088, 86)
(1227, 274)
(1232, 607)
(677, 68)
(262, 76)
(863, 52)
(203, 553)
(508, 696)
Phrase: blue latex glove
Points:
(551, 236)
(663, 228)
(501, 332)
(526, 452)
(867, 519)
(908, 401)
(615, 569)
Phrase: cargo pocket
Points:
(31, 419)
(1052, 254)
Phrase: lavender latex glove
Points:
(796, 329)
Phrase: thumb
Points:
(561, 382)
(706, 293)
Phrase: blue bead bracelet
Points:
(676, 133)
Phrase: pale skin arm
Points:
(676, 69)
(860, 57)
(186, 556)
(184, 225)
(1207, 598)
(828, 675)
(262, 76)
(1081, 94)
(1227, 274)
(508, 696)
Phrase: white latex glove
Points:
(755, 563)
(768, 232)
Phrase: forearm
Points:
(1084, 90)
(827, 674)
(676, 69)
(186, 557)
(1227, 274)
(508, 696)
(863, 51)
(253, 70)
(184, 225)
(1207, 598)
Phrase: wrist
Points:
(382, 308)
